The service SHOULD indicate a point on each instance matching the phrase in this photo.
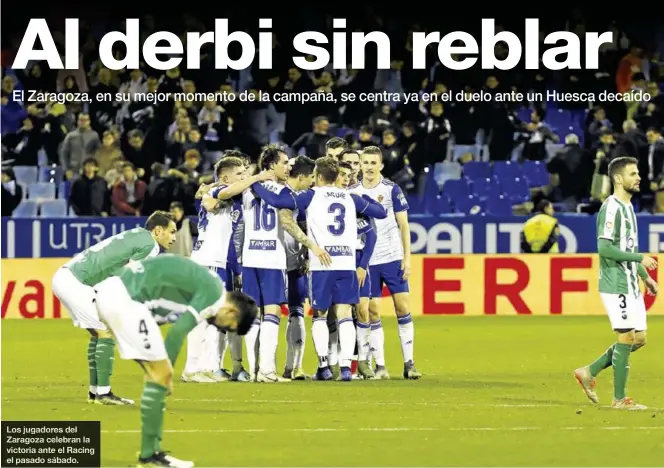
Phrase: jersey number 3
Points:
(338, 226)
(265, 218)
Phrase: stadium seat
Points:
(460, 150)
(500, 206)
(53, 174)
(54, 209)
(468, 205)
(442, 172)
(485, 188)
(415, 203)
(42, 157)
(26, 175)
(506, 170)
(63, 190)
(41, 191)
(536, 174)
(26, 209)
(517, 190)
(438, 205)
(456, 188)
(477, 170)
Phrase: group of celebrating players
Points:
(252, 234)
(252, 258)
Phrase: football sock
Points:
(195, 340)
(222, 346)
(377, 341)
(321, 337)
(406, 336)
(153, 405)
(103, 359)
(298, 334)
(268, 340)
(92, 365)
(347, 341)
(211, 346)
(602, 362)
(333, 347)
(251, 342)
(290, 352)
(363, 341)
(620, 360)
(235, 347)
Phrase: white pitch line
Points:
(396, 429)
(378, 402)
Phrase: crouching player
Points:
(331, 220)
(128, 302)
(73, 285)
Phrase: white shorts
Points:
(134, 328)
(78, 299)
(625, 311)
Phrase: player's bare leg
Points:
(158, 384)
(103, 358)
(406, 334)
(347, 340)
(269, 339)
(377, 341)
(363, 346)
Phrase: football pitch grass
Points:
(497, 391)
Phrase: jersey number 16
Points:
(265, 217)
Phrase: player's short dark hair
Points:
(269, 155)
(618, 164)
(247, 310)
(345, 165)
(654, 130)
(235, 154)
(347, 151)
(176, 204)
(158, 219)
(366, 129)
(91, 161)
(302, 166)
(128, 164)
(373, 150)
(335, 143)
(227, 162)
(389, 131)
(542, 205)
(328, 168)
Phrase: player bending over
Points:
(73, 285)
(127, 303)
(620, 266)
(331, 220)
(390, 262)
(301, 177)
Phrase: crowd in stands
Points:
(112, 158)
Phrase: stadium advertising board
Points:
(58, 238)
(440, 285)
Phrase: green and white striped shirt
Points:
(616, 222)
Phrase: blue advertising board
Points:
(61, 238)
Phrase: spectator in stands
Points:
(570, 171)
(384, 118)
(598, 125)
(128, 194)
(26, 143)
(314, 142)
(498, 124)
(103, 110)
(298, 115)
(436, 130)
(188, 178)
(136, 152)
(213, 125)
(365, 138)
(541, 232)
(655, 158)
(535, 134)
(651, 113)
(630, 64)
(393, 160)
(89, 193)
(638, 85)
(13, 112)
(658, 207)
(79, 145)
(186, 231)
(12, 193)
(108, 154)
(161, 190)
